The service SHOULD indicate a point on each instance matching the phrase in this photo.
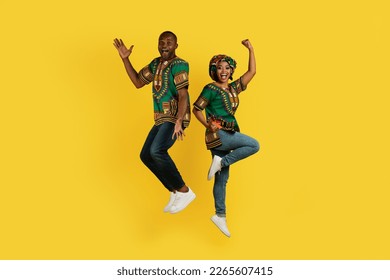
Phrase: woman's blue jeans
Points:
(235, 146)
(154, 155)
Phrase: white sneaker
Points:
(220, 222)
(215, 167)
(182, 200)
(172, 197)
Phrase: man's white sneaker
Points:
(168, 207)
(215, 167)
(220, 222)
(182, 200)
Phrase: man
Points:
(169, 75)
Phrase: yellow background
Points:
(72, 126)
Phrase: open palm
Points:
(122, 49)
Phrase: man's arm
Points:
(124, 53)
(182, 108)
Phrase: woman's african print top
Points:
(221, 105)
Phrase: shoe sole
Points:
(209, 177)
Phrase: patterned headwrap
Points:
(215, 60)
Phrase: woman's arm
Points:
(199, 115)
(248, 75)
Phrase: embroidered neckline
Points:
(157, 80)
(229, 98)
(160, 81)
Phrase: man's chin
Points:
(166, 56)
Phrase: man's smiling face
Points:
(167, 46)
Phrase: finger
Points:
(117, 42)
(179, 135)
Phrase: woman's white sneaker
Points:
(220, 222)
(215, 167)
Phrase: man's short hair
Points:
(168, 33)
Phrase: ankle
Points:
(183, 189)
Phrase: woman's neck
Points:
(222, 85)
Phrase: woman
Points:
(223, 139)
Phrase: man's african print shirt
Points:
(168, 77)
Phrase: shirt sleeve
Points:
(203, 99)
(146, 74)
(180, 73)
(238, 86)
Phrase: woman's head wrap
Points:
(219, 58)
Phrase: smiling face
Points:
(167, 45)
(224, 71)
